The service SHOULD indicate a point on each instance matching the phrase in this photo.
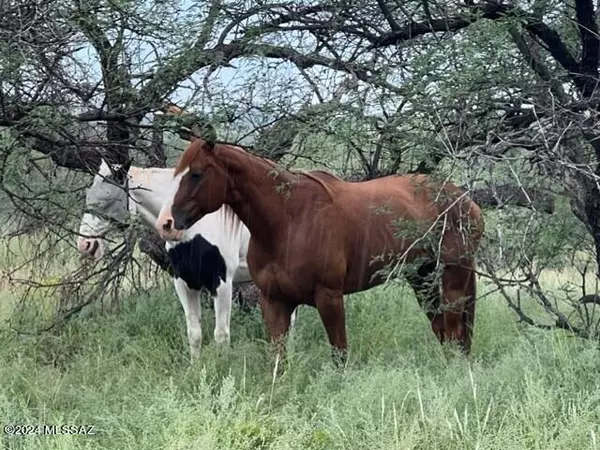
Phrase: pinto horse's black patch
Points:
(198, 263)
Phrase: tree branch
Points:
(64, 154)
(196, 57)
(503, 195)
(534, 25)
(590, 44)
(412, 30)
(303, 61)
(115, 79)
(537, 65)
(388, 15)
(555, 46)
(166, 80)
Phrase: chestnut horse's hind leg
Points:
(277, 319)
(458, 283)
(330, 304)
(427, 290)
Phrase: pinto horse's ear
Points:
(120, 174)
(125, 167)
(104, 168)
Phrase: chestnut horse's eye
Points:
(196, 176)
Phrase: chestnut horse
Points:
(315, 237)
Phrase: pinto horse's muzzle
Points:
(90, 247)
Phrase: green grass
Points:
(129, 376)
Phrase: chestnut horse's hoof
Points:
(339, 357)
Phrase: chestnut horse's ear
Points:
(209, 146)
(205, 131)
(206, 145)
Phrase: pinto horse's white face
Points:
(106, 198)
(165, 224)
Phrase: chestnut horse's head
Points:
(200, 186)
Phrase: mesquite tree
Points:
(497, 95)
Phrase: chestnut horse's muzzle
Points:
(181, 220)
(167, 228)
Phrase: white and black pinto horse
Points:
(212, 255)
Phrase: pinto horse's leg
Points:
(458, 284)
(190, 300)
(330, 304)
(223, 312)
(277, 319)
(427, 290)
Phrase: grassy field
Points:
(129, 377)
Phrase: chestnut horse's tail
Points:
(469, 309)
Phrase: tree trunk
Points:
(152, 245)
(592, 214)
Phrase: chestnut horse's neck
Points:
(260, 191)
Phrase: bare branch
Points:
(590, 42)
(412, 30)
(537, 65)
(506, 194)
(388, 15)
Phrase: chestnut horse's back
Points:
(404, 217)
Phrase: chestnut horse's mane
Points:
(192, 152)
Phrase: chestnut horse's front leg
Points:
(277, 317)
(330, 304)
(459, 297)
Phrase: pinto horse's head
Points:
(200, 186)
(105, 198)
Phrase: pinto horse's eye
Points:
(196, 176)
